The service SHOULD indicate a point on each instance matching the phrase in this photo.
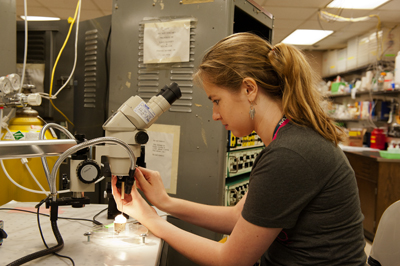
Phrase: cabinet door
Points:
(366, 171)
(367, 192)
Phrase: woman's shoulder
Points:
(303, 141)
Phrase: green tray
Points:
(389, 155)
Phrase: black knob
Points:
(141, 137)
(88, 171)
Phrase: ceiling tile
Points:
(289, 15)
(291, 3)
(105, 5)
(36, 11)
(349, 13)
(91, 14)
(291, 12)
(58, 3)
(30, 3)
(322, 25)
(360, 27)
(65, 13)
(89, 5)
(280, 24)
(391, 5)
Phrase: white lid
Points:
(34, 99)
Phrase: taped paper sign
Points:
(166, 42)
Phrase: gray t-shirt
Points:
(305, 185)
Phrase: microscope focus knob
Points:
(88, 171)
(141, 137)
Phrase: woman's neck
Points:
(266, 124)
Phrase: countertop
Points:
(104, 248)
(368, 152)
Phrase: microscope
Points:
(125, 133)
(128, 124)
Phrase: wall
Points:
(8, 39)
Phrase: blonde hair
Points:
(281, 72)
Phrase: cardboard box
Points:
(356, 137)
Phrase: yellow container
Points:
(24, 126)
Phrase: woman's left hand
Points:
(133, 204)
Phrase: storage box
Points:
(335, 87)
(356, 137)
(352, 48)
(341, 60)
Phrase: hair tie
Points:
(272, 51)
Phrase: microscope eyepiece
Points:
(171, 93)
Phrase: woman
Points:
(302, 206)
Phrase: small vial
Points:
(119, 223)
(381, 81)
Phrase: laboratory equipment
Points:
(394, 126)
(25, 126)
(10, 95)
(129, 123)
(119, 224)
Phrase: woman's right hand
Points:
(151, 184)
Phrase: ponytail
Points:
(301, 99)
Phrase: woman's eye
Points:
(216, 101)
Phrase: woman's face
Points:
(231, 108)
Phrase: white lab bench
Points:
(102, 249)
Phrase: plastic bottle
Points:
(381, 81)
(397, 70)
(378, 139)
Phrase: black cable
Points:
(38, 222)
(41, 253)
(41, 235)
(65, 218)
(94, 217)
(107, 92)
(56, 232)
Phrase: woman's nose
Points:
(216, 116)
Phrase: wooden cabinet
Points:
(378, 181)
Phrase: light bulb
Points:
(120, 219)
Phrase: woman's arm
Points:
(219, 219)
(245, 245)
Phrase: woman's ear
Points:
(250, 88)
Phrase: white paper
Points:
(166, 42)
(162, 153)
(159, 155)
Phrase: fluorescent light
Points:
(356, 4)
(38, 18)
(306, 37)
